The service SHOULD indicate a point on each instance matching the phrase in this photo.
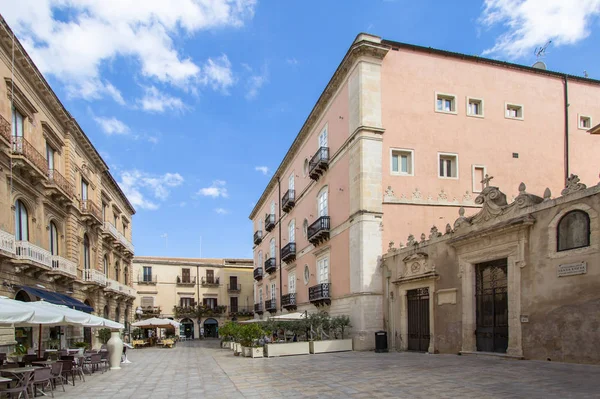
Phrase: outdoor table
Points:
(44, 363)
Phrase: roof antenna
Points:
(585, 74)
(540, 52)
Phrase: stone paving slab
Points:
(199, 369)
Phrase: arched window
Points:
(86, 253)
(117, 271)
(272, 248)
(573, 231)
(125, 273)
(106, 312)
(21, 222)
(53, 239)
(322, 205)
(105, 264)
(117, 314)
(292, 231)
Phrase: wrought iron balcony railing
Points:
(258, 274)
(210, 282)
(270, 266)
(289, 200)
(258, 308)
(61, 182)
(187, 280)
(5, 129)
(258, 237)
(288, 253)
(241, 311)
(271, 305)
(288, 301)
(234, 287)
(148, 279)
(269, 222)
(20, 146)
(319, 163)
(318, 232)
(320, 294)
(88, 207)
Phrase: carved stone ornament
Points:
(493, 201)
(573, 185)
(524, 200)
(448, 228)
(389, 193)
(434, 233)
(416, 194)
(442, 196)
(462, 220)
(547, 194)
(415, 264)
(411, 240)
(423, 237)
(415, 267)
(391, 246)
(467, 197)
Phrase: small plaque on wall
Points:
(572, 269)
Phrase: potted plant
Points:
(225, 333)
(82, 346)
(283, 347)
(330, 329)
(250, 336)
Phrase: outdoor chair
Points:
(67, 370)
(70, 358)
(56, 372)
(63, 352)
(22, 386)
(28, 359)
(104, 359)
(2, 358)
(78, 368)
(42, 377)
(94, 362)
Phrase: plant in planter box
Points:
(104, 335)
(319, 323)
(81, 344)
(340, 324)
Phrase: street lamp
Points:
(139, 312)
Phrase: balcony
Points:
(118, 288)
(241, 311)
(147, 279)
(288, 253)
(64, 266)
(91, 212)
(188, 281)
(5, 131)
(234, 287)
(289, 200)
(258, 274)
(271, 305)
(26, 251)
(94, 276)
(210, 282)
(258, 308)
(59, 186)
(110, 232)
(27, 158)
(319, 163)
(320, 294)
(7, 244)
(318, 232)
(270, 266)
(269, 222)
(288, 301)
(258, 236)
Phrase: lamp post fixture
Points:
(139, 312)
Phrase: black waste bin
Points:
(381, 341)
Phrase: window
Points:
(323, 139)
(514, 111)
(147, 274)
(273, 292)
(445, 103)
(210, 302)
(291, 182)
(474, 107)
(292, 283)
(84, 191)
(305, 167)
(117, 271)
(21, 222)
(115, 219)
(260, 259)
(117, 314)
(105, 265)
(233, 283)
(305, 227)
(126, 275)
(233, 304)
(306, 275)
(448, 165)
(272, 248)
(260, 295)
(322, 206)
(53, 239)
(585, 122)
(50, 157)
(292, 231)
(479, 172)
(401, 162)
(104, 211)
(86, 253)
(17, 123)
(272, 207)
(323, 270)
(573, 231)
(210, 276)
(147, 301)
(186, 302)
(185, 275)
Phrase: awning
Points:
(58, 299)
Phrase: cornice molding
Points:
(50, 136)
(19, 99)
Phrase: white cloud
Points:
(292, 61)
(138, 186)
(221, 211)
(112, 125)
(216, 190)
(263, 169)
(156, 101)
(256, 81)
(74, 39)
(531, 23)
(218, 74)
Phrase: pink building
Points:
(399, 140)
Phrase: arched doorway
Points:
(211, 328)
(187, 328)
(24, 335)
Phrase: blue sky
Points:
(194, 103)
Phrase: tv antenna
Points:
(540, 52)
(585, 74)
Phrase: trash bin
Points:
(381, 341)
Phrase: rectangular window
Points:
(104, 212)
(401, 161)
(323, 139)
(478, 176)
(474, 107)
(585, 122)
(84, 190)
(260, 295)
(291, 182)
(17, 123)
(186, 302)
(185, 275)
(147, 273)
(514, 111)
(147, 301)
(233, 304)
(233, 282)
(50, 157)
(445, 103)
(210, 276)
(448, 165)
(323, 270)
(273, 291)
(292, 283)
(210, 302)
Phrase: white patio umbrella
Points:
(290, 316)
(32, 316)
(155, 322)
(71, 316)
(11, 313)
(251, 321)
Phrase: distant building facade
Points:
(519, 279)
(400, 139)
(65, 225)
(200, 293)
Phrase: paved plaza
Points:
(200, 369)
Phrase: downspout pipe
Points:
(566, 155)
(279, 257)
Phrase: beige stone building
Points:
(65, 225)
(516, 279)
(176, 287)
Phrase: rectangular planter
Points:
(287, 349)
(246, 351)
(237, 348)
(334, 345)
(257, 352)
(225, 344)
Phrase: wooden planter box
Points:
(257, 352)
(246, 351)
(334, 345)
(287, 349)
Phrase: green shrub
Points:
(104, 335)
